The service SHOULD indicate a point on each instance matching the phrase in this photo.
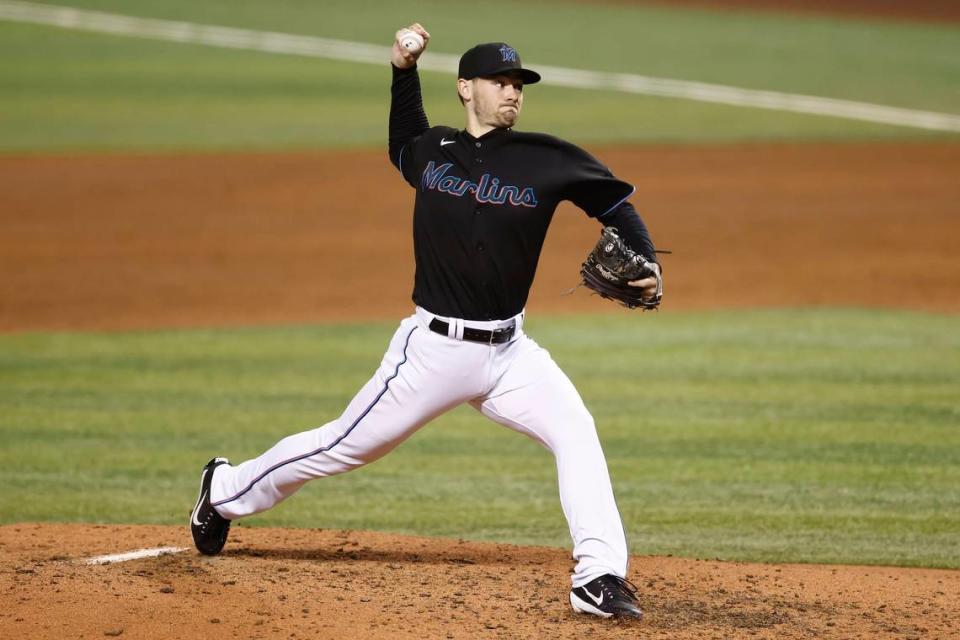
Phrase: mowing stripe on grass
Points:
(134, 555)
(284, 43)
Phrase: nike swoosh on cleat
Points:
(597, 600)
(200, 524)
(193, 517)
(444, 142)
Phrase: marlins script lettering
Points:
(487, 191)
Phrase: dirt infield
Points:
(112, 242)
(320, 584)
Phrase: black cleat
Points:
(209, 528)
(607, 596)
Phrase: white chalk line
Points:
(312, 46)
(134, 555)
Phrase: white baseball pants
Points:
(424, 374)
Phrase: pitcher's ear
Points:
(464, 89)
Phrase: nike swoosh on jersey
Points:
(444, 142)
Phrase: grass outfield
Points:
(814, 436)
(66, 90)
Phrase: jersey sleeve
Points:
(590, 185)
(408, 121)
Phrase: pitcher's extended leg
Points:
(533, 396)
(416, 381)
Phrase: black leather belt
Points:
(497, 336)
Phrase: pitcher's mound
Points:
(282, 583)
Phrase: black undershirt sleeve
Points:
(407, 117)
(632, 229)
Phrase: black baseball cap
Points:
(494, 58)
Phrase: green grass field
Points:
(769, 435)
(827, 435)
(68, 90)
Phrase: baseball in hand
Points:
(411, 41)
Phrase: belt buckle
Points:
(501, 331)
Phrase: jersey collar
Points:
(492, 135)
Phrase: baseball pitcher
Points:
(484, 196)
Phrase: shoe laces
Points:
(616, 586)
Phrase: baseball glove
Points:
(612, 265)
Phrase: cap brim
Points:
(528, 76)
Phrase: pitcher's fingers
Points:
(416, 26)
(645, 283)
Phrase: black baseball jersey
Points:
(483, 206)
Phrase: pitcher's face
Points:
(495, 100)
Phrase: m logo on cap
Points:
(493, 58)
